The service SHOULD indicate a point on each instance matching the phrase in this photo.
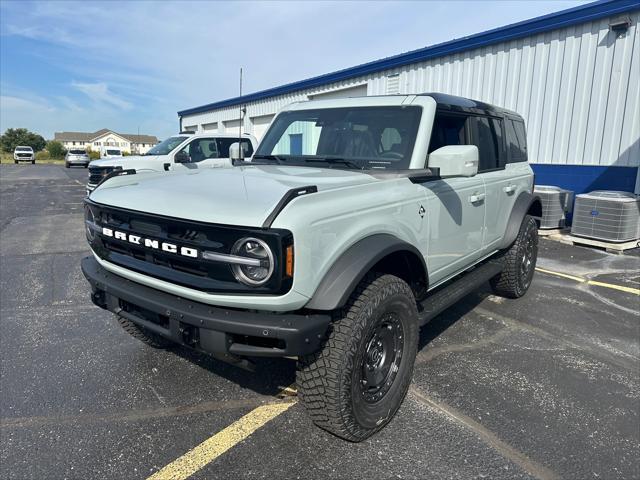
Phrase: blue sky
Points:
(127, 65)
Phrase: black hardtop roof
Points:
(462, 104)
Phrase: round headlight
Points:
(261, 269)
(89, 222)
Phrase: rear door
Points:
(455, 207)
(503, 183)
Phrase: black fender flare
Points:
(351, 267)
(525, 203)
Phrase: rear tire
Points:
(519, 262)
(152, 339)
(353, 386)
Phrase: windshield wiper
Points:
(334, 160)
(273, 158)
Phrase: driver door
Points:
(199, 153)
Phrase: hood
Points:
(141, 162)
(236, 196)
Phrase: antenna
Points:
(242, 110)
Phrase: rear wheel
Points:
(152, 339)
(519, 262)
(353, 386)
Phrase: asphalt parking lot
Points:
(547, 386)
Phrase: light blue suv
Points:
(356, 222)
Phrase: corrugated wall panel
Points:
(578, 89)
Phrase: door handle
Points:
(509, 189)
(476, 198)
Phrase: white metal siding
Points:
(578, 89)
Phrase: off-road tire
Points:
(330, 380)
(519, 262)
(152, 339)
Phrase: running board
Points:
(449, 294)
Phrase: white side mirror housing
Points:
(234, 151)
(455, 160)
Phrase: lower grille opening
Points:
(148, 315)
(262, 342)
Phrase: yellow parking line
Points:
(635, 291)
(595, 283)
(213, 447)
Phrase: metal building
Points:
(573, 75)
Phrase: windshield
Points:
(77, 152)
(23, 149)
(166, 146)
(114, 152)
(357, 137)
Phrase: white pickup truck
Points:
(183, 152)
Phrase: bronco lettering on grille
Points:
(150, 243)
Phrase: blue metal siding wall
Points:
(582, 179)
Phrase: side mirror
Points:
(182, 157)
(455, 160)
(234, 151)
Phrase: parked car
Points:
(76, 156)
(183, 152)
(110, 152)
(23, 154)
(334, 248)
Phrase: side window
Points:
(225, 143)
(488, 139)
(448, 130)
(201, 149)
(519, 153)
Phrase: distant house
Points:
(127, 142)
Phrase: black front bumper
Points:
(223, 332)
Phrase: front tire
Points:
(152, 339)
(519, 262)
(66, 165)
(353, 386)
(33, 162)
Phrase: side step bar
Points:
(447, 295)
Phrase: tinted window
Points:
(77, 152)
(225, 143)
(448, 130)
(516, 141)
(488, 139)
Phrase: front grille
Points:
(27, 155)
(97, 173)
(196, 273)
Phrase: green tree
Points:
(56, 149)
(13, 137)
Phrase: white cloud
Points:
(100, 93)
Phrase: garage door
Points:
(232, 127)
(359, 91)
(260, 125)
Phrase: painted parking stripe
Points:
(213, 447)
(595, 283)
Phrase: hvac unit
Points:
(556, 203)
(607, 215)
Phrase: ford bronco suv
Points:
(184, 152)
(356, 222)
